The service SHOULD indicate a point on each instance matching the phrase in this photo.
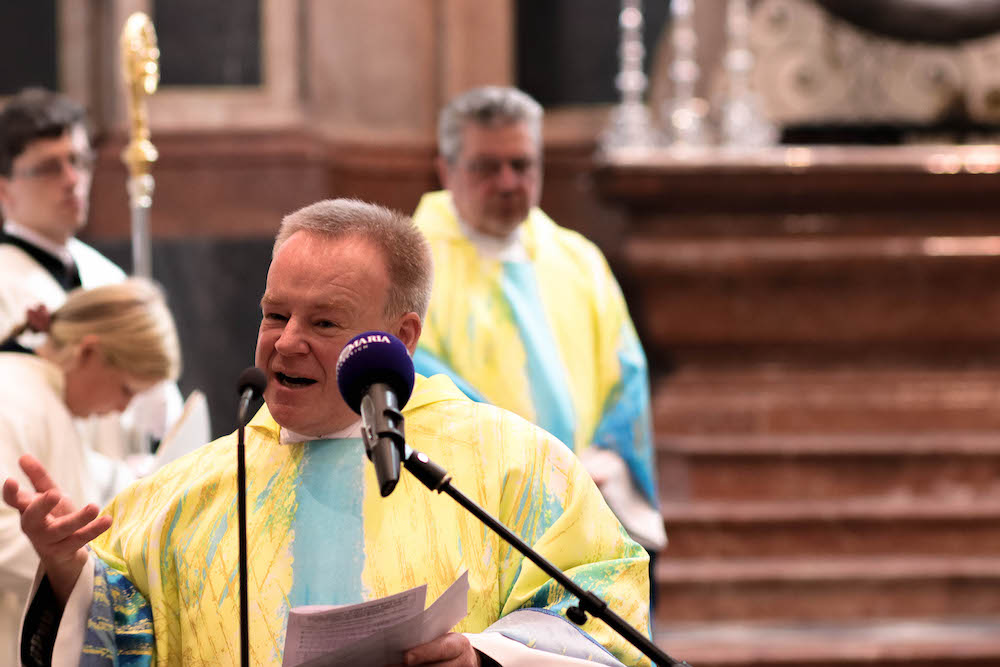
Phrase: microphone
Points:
(251, 385)
(375, 377)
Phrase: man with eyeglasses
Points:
(526, 314)
(46, 169)
(45, 174)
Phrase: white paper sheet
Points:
(376, 632)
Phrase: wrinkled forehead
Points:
(507, 141)
(320, 267)
(312, 250)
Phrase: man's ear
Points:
(442, 171)
(408, 330)
(4, 194)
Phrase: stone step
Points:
(924, 642)
(745, 290)
(825, 588)
(773, 399)
(824, 528)
(727, 466)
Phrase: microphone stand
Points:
(241, 483)
(252, 383)
(436, 478)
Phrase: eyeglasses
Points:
(490, 167)
(53, 167)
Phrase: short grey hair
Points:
(488, 106)
(404, 248)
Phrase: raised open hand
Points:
(56, 529)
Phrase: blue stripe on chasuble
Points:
(546, 374)
(328, 547)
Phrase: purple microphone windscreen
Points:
(370, 358)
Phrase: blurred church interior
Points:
(800, 199)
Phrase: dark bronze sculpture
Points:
(935, 21)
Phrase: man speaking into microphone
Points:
(159, 577)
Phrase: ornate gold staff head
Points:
(141, 70)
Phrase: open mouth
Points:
(292, 381)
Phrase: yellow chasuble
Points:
(548, 338)
(166, 581)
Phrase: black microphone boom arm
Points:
(436, 478)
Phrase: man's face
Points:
(49, 185)
(496, 179)
(320, 293)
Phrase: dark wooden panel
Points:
(567, 50)
(213, 287)
(209, 44)
(27, 45)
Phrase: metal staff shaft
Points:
(141, 71)
(140, 200)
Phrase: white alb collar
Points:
(34, 238)
(289, 437)
(508, 249)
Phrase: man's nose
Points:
(292, 338)
(73, 174)
(509, 177)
